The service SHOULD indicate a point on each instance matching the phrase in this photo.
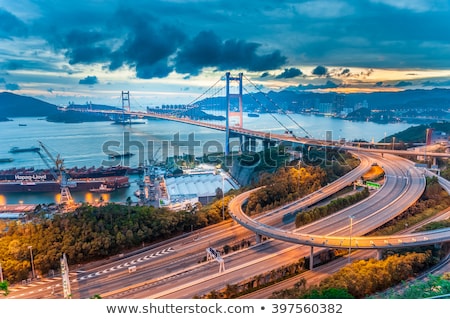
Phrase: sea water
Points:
(87, 144)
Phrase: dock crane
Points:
(58, 172)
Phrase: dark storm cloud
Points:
(289, 73)
(376, 34)
(208, 50)
(148, 46)
(327, 85)
(12, 86)
(28, 64)
(157, 37)
(320, 71)
(85, 47)
(11, 26)
(403, 83)
(436, 83)
(155, 48)
(89, 80)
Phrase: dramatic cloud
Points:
(44, 45)
(208, 50)
(85, 47)
(436, 83)
(89, 80)
(11, 26)
(320, 71)
(415, 5)
(289, 73)
(12, 86)
(327, 85)
(403, 83)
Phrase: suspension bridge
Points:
(224, 102)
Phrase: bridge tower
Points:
(125, 104)
(126, 101)
(233, 107)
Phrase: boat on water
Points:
(253, 115)
(103, 188)
(15, 180)
(118, 155)
(6, 159)
(22, 124)
(38, 183)
(127, 122)
(16, 149)
(12, 174)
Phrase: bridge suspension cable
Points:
(257, 101)
(273, 102)
(204, 93)
(209, 93)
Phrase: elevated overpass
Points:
(403, 186)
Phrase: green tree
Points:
(4, 287)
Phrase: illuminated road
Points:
(403, 186)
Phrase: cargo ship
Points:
(16, 149)
(73, 173)
(80, 185)
(84, 179)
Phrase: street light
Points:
(223, 197)
(350, 243)
(32, 263)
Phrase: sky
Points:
(172, 51)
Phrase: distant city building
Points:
(360, 105)
(346, 111)
(326, 108)
(365, 104)
(338, 103)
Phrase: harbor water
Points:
(88, 144)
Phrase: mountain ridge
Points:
(14, 105)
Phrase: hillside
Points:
(13, 105)
(417, 134)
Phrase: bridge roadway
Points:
(268, 135)
(399, 192)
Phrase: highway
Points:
(403, 186)
(173, 269)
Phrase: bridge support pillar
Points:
(252, 144)
(233, 109)
(268, 143)
(379, 254)
(434, 161)
(311, 258)
(249, 144)
(258, 238)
